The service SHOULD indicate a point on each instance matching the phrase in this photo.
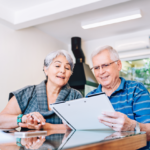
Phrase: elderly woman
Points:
(29, 106)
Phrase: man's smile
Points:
(103, 78)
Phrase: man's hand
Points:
(117, 121)
(32, 121)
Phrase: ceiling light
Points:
(112, 19)
(138, 42)
(135, 55)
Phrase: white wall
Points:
(89, 46)
(22, 55)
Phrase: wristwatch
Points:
(137, 128)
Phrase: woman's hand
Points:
(37, 118)
(33, 120)
(33, 143)
(66, 126)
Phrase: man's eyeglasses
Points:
(103, 66)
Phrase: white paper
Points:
(6, 138)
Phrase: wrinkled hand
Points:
(33, 143)
(117, 121)
(66, 126)
(33, 120)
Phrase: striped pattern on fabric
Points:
(131, 98)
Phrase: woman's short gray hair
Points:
(49, 58)
(113, 53)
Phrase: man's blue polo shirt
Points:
(131, 98)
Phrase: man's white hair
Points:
(113, 53)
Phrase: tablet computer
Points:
(82, 114)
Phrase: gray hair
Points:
(51, 56)
(113, 53)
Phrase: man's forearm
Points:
(145, 127)
(54, 126)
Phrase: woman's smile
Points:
(61, 77)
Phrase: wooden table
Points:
(127, 143)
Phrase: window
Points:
(137, 70)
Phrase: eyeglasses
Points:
(103, 66)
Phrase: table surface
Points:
(81, 140)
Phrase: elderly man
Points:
(130, 99)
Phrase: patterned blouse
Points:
(34, 99)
